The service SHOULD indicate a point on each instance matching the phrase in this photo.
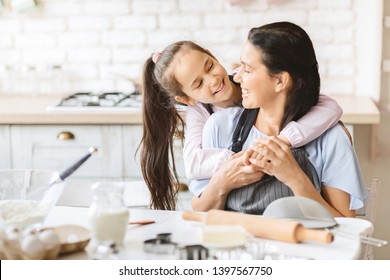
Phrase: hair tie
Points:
(155, 56)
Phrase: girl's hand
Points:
(275, 158)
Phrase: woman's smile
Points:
(245, 93)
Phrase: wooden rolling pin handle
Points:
(322, 236)
(193, 216)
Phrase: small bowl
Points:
(73, 238)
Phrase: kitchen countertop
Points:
(33, 110)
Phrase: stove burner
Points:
(107, 99)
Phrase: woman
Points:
(185, 72)
(279, 74)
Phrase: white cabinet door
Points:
(132, 135)
(56, 147)
(179, 161)
(5, 147)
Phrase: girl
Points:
(185, 72)
(279, 74)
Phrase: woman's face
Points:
(258, 87)
(203, 78)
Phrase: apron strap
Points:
(243, 128)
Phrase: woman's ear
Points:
(283, 80)
(185, 100)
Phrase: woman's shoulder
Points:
(333, 143)
(337, 134)
(226, 114)
(222, 123)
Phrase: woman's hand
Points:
(233, 173)
(274, 157)
(252, 154)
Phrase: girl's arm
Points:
(325, 114)
(200, 163)
(231, 175)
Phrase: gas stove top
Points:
(88, 101)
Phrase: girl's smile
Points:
(203, 78)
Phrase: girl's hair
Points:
(285, 46)
(161, 121)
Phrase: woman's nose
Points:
(237, 77)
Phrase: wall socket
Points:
(386, 65)
(387, 21)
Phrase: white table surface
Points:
(184, 233)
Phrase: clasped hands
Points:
(268, 155)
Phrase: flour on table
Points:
(22, 212)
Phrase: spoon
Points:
(311, 214)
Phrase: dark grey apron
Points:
(255, 197)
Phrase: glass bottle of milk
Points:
(108, 214)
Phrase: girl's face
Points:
(203, 79)
(258, 87)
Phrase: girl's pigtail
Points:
(161, 120)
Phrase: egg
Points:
(49, 238)
(32, 245)
(12, 232)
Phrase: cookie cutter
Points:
(194, 252)
(162, 244)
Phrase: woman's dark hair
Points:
(161, 121)
(285, 46)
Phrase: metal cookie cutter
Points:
(162, 244)
(194, 252)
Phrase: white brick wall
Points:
(93, 39)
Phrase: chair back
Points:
(368, 212)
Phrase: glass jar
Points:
(108, 214)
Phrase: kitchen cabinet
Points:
(30, 138)
(5, 147)
(55, 147)
(132, 135)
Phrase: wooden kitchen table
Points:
(184, 233)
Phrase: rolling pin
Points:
(263, 227)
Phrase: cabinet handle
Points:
(65, 135)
